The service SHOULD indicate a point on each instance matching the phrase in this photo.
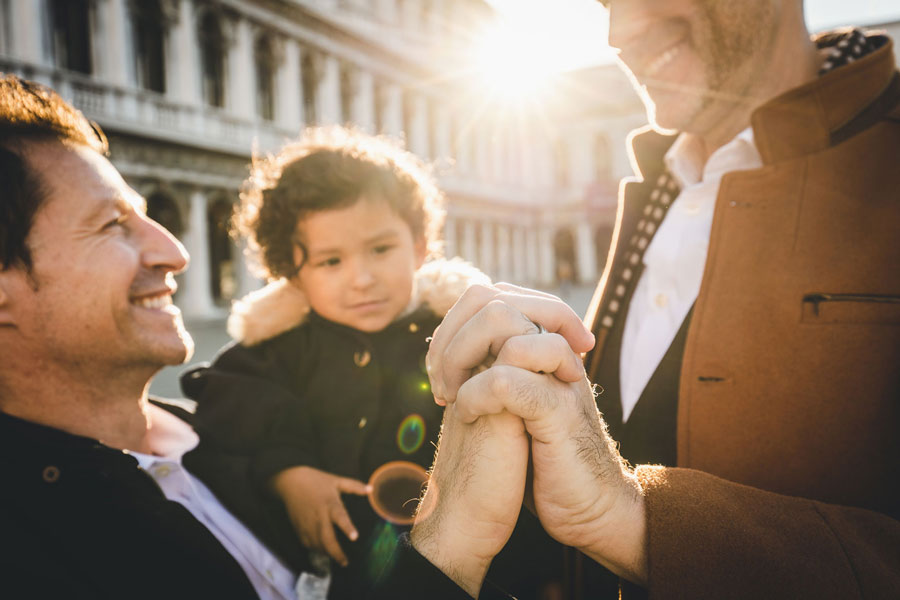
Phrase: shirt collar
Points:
(685, 158)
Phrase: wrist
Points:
(451, 553)
(619, 541)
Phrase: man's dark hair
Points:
(331, 168)
(30, 111)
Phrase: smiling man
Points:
(94, 501)
(745, 334)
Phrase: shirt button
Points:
(362, 422)
(361, 359)
(661, 300)
(413, 327)
(50, 474)
(161, 471)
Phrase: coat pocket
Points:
(820, 308)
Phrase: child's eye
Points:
(381, 249)
(330, 262)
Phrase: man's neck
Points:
(800, 64)
(112, 409)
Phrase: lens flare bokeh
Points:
(411, 434)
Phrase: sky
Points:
(579, 26)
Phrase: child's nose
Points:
(363, 275)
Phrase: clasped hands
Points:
(515, 394)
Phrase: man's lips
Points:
(647, 65)
(154, 300)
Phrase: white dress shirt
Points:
(269, 576)
(675, 259)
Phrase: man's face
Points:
(360, 265)
(694, 59)
(100, 292)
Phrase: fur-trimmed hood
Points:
(280, 306)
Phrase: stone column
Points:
(362, 108)
(110, 43)
(486, 259)
(289, 105)
(450, 249)
(183, 58)
(417, 136)
(519, 274)
(546, 258)
(241, 97)
(328, 94)
(26, 31)
(393, 110)
(196, 295)
(532, 262)
(586, 256)
(504, 266)
(470, 248)
(441, 143)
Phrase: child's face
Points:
(360, 266)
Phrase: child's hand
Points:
(313, 501)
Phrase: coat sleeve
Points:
(711, 538)
(243, 393)
(409, 576)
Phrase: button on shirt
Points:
(269, 576)
(675, 259)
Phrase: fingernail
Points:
(369, 489)
(354, 535)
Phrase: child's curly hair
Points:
(331, 168)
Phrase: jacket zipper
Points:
(818, 298)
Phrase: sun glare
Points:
(513, 65)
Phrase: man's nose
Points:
(161, 249)
(628, 20)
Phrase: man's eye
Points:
(120, 220)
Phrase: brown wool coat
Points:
(789, 402)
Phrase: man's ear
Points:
(6, 284)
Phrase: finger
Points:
(330, 544)
(342, 519)
(472, 300)
(478, 340)
(549, 407)
(504, 316)
(511, 287)
(547, 353)
(348, 485)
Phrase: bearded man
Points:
(745, 333)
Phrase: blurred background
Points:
(518, 105)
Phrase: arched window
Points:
(71, 34)
(378, 97)
(348, 91)
(223, 272)
(564, 254)
(163, 209)
(309, 80)
(149, 45)
(264, 57)
(212, 59)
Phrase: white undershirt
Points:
(675, 259)
(269, 576)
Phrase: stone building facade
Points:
(187, 89)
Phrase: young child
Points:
(326, 381)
